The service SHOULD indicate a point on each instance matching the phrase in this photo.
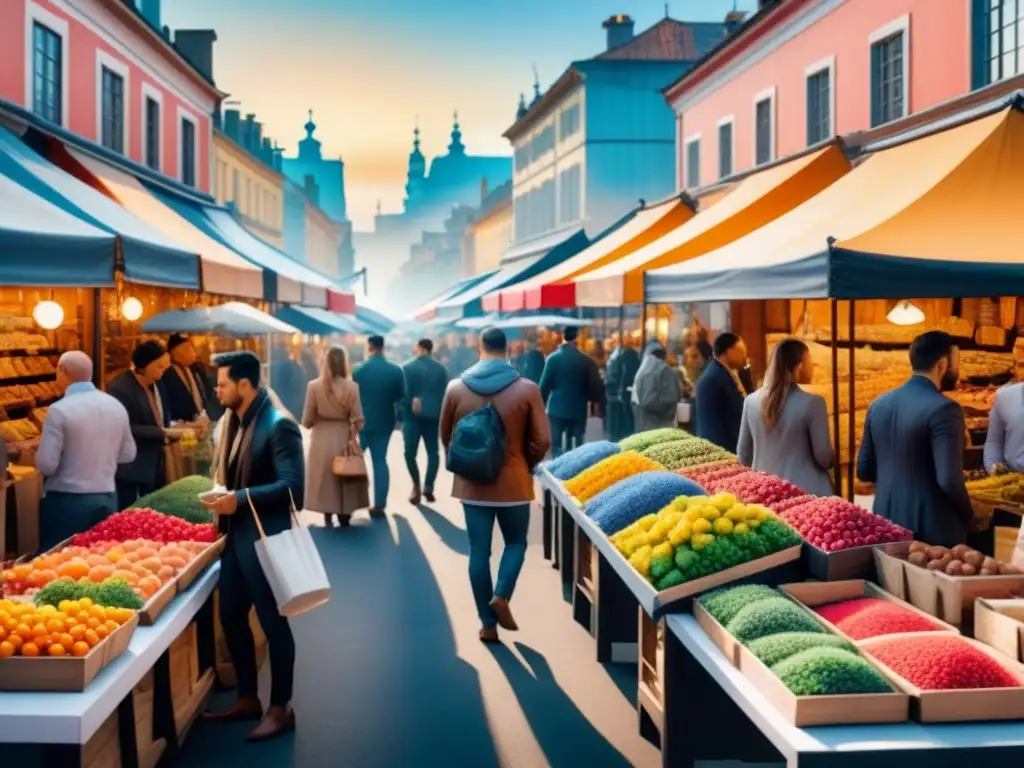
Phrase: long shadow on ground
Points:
(453, 537)
(378, 682)
(564, 734)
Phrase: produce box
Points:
(965, 704)
(651, 671)
(198, 564)
(155, 605)
(812, 594)
(853, 563)
(1000, 623)
(950, 598)
(66, 674)
(806, 711)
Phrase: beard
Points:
(949, 381)
(232, 403)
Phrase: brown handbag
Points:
(351, 463)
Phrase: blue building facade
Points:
(328, 174)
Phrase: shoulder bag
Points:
(351, 464)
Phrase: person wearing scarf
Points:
(260, 462)
(183, 385)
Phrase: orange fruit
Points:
(16, 641)
(111, 625)
(92, 623)
(92, 638)
(39, 630)
(6, 650)
(77, 631)
(3, 634)
(81, 648)
(29, 649)
(102, 631)
(98, 611)
(55, 625)
(24, 630)
(82, 616)
(114, 555)
(56, 650)
(67, 641)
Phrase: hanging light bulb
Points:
(905, 313)
(131, 309)
(48, 314)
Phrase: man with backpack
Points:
(494, 431)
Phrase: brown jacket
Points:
(526, 429)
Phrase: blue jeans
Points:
(413, 429)
(62, 515)
(377, 443)
(566, 434)
(514, 523)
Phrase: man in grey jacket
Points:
(656, 390)
(913, 448)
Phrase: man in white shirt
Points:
(85, 436)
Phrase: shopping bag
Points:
(292, 565)
(351, 463)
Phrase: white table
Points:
(704, 724)
(72, 718)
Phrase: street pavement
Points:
(391, 672)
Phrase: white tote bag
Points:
(292, 565)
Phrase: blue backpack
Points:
(478, 447)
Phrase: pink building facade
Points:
(803, 71)
(96, 68)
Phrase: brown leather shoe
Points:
(489, 635)
(238, 711)
(415, 497)
(501, 609)
(277, 722)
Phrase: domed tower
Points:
(309, 148)
(417, 171)
(456, 147)
(521, 110)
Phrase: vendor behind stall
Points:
(86, 435)
(184, 388)
(1004, 444)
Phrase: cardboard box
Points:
(964, 705)
(155, 605)
(707, 583)
(852, 563)
(1000, 624)
(187, 576)
(805, 711)
(812, 594)
(67, 674)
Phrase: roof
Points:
(497, 200)
(669, 40)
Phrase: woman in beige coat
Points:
(334, 416)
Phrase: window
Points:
(522, 157)
(234, 187)
(188, 152)
(1004, 29)
(112, 131)
(569, 122)
(247, 210)
(725, 148)
(888, 84)
(764, 128)
(152, 133)
(693, 163)
(569, 195)
(819, 105)
(542, 142)
(47, 73)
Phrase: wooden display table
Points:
(19, 511)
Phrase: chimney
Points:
(267, 152)
(197, 46)
(231, 125)
(247, 131)
(278, 163)
(620, 30)
(734, 21)
(151, 12)
(257, 136)
(483, 189)
(312, 190)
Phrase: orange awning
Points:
(554, 289)
(756, 200)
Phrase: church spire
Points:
(417, 168)
(310, 126)
(309, 148)
(521, 110)
(456, 147)
(536, 86)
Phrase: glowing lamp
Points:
(905, 313)
(131, 309)
(48, 315)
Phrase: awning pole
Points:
(622, 325)
(853, 404)
(643, 326)
(836, 440)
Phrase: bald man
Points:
(85, 436)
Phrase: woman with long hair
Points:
(784, 430)
(334, 416)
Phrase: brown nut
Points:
(918, 558)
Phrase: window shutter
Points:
(876, 89)
(980, 44)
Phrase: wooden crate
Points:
(651, 671)
(103, 750)
(225, 669)
(189, 690)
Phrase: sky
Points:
(370, 68)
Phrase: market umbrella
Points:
(232, 319)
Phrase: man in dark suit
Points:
(718, 405)
(381, 391)
(913, 448)
(570, 381)
(425, 383)
(531, 363)
(183, 384)
(618, 381)
(260, 462)
(138, 391)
